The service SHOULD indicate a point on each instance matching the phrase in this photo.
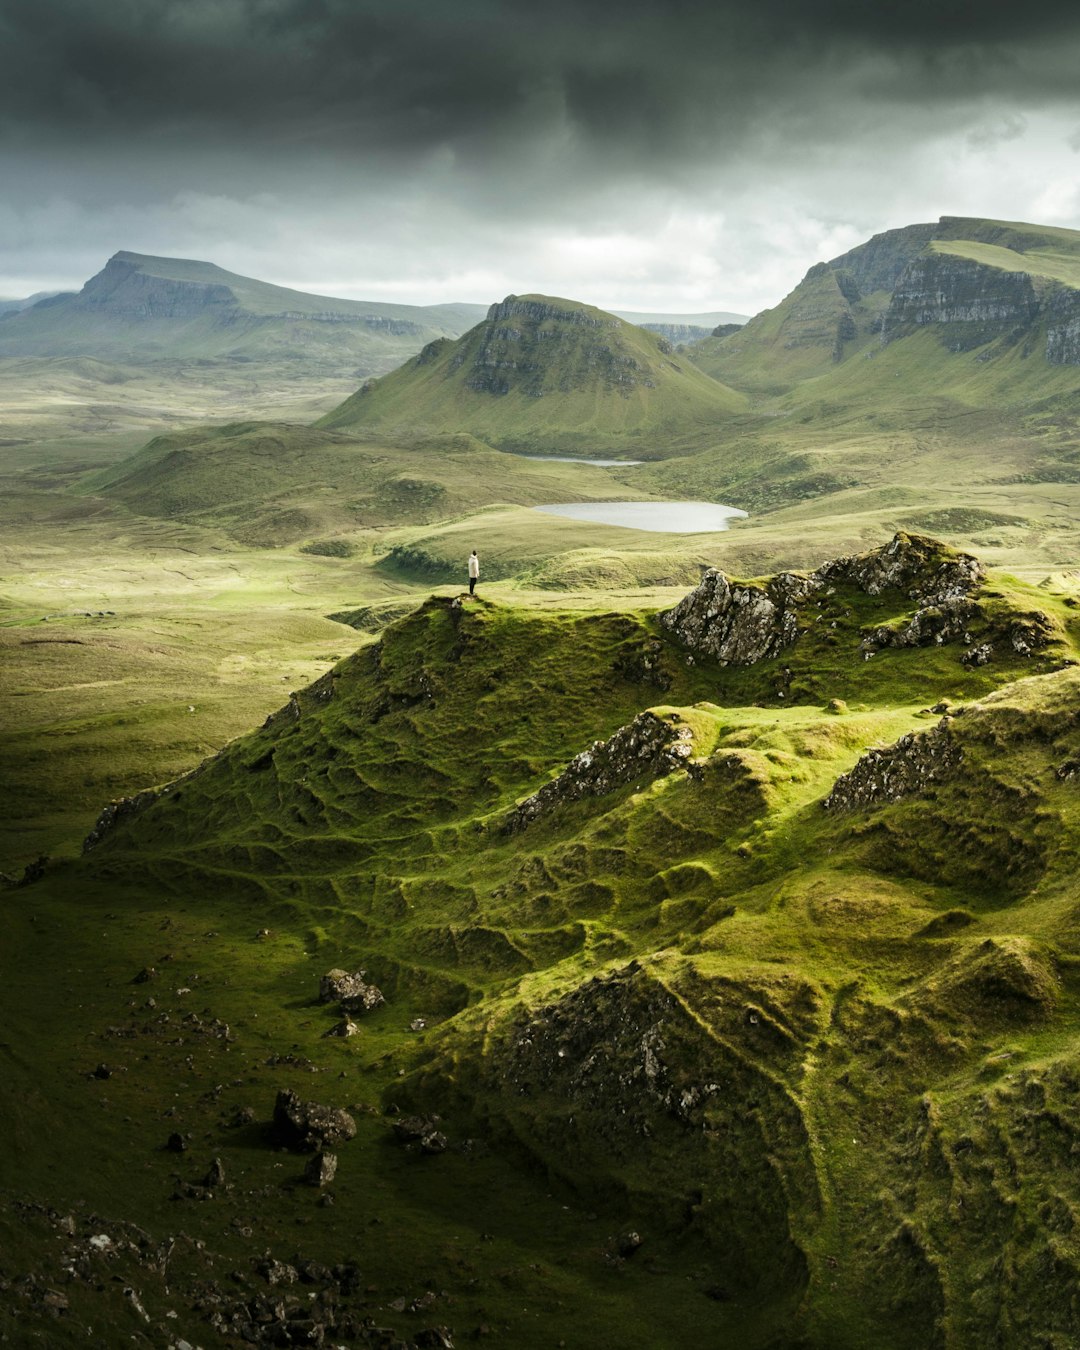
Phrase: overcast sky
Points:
(679, 156)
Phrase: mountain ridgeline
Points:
(544, 373)
(999, 289)
(140, 308)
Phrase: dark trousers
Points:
(472, 585)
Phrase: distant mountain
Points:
(15, 306)
(998, 289)
(656, 321)
(140, 309)
(546, 374)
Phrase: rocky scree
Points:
(916, 761)
(647, 748)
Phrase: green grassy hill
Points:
(142, 309)
(755, 1023)
(548, 375)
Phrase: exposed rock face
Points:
(878, 264)
(911, 563)
(1063, 332)
(321, 1169)
(739, 624)
(123, 288)
(682, 332)
(309, 1125)
(535, 311)
(942, 288)
(521, 337)
(917, 761)
(648, 747)
(931, 626)
(115, 812)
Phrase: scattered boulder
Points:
(626, 1244)
(422, 1130)
(216, 1174)
(321, 1169)
(351, 990)
(345, 1028)
(309, 1125)
(916, 761)
(647, 748)
(277, 1272)
(365, 1000)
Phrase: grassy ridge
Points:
(584, 983)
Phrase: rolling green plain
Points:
(713, 1063)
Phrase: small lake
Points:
(577, 459)
(662, 517)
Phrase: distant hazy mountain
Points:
(994, 292)
(140, 309)
(544, 373)
(14, 306)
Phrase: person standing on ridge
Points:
(474, 571)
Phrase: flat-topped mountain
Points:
(140, 308)
(546, 373)
(998, 288)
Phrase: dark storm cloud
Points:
(378, 77)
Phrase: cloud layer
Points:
(655, 155)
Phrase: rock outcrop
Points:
(919, 566)
(917, 761)
(649, 747)
(740, 623)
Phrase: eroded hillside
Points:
(727, 966)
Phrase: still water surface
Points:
(663, 517)
(577, 459)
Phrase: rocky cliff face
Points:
(739, 624)
(125, 290)
(912, 563)
(878, 264)
(519, 348)
(1063, 328)
(977, 302)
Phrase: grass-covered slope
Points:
(550, 375)
(752, 1024)
(271, 483)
